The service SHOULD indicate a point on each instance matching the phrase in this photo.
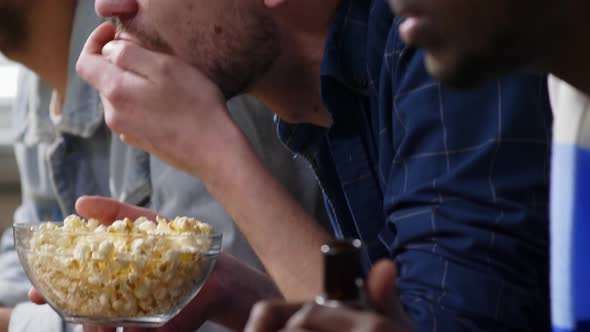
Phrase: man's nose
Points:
(116, 8)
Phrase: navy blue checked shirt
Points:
(452, 185)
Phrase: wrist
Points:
(226, 153)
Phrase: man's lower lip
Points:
(412, 30)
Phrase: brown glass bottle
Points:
(344, 284)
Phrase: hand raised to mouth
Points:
(157, 102)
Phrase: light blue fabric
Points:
(558, 329)
(570, 209)
(570, 234)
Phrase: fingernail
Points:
(108, 48)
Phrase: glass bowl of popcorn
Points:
(130, 273)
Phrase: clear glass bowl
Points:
(145, 288)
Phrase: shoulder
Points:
(393, 66)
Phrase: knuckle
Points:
(114, 121)
(80, 68)
(306, 314)
(262, 309)
(113, 92)
(165, 66)
(375, 324)
(309, 310)
(121, 54)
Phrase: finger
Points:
(270, 316)
(91, 61)
(321, 318)
(134, 58)
(381, 286)
(35, 297)
(103, 34)
(96, 70)
(109, 210)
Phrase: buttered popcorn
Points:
(128, 269)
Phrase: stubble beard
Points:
(507, 53)
(233, 59)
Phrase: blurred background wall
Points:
(9, 182)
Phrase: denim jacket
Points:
(77, 155)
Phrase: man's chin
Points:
(459, 74)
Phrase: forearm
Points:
(284, 236)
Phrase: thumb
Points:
(35, 297)
(381, 288)
(108, 210)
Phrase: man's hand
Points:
(275, 316)
(159, 103)
(170, 109)
(5, 318)
(226, 298)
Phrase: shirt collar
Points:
(345, 53)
